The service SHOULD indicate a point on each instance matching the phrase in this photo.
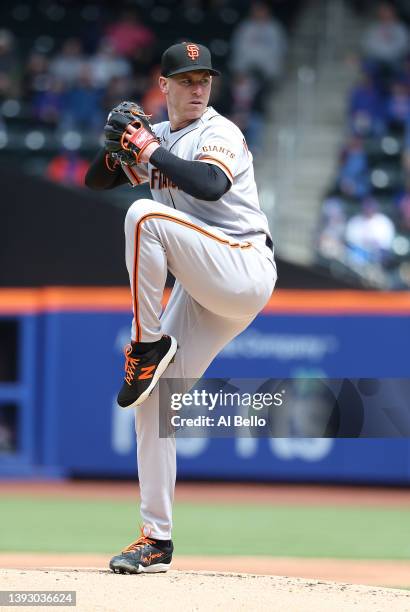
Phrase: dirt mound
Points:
(386, 573)
(100, 590)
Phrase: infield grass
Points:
(100, 526)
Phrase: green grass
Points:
(100, 526)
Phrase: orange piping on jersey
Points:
(217, 162)
(235, 245)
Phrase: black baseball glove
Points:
(119, 118)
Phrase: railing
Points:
(316, 40)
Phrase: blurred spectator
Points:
(246, 109)
(332, 229)
(153, 101)
(130, 37)
(366, 108)
(406, 163)
(9, 68)
(67, 168)
(82, 104)
(47, 106)
(36, 77)
(105, 65)
(369, 234)
(398, 107)
(353, 179)
(118, 89)
(67, 65)
(403, 204)
(404, 73)
(259, 45)
(386, 41)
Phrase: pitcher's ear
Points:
(163, 84)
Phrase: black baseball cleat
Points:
(145, 555)
(143, 369)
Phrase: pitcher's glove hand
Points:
(123, 157)
(118, 143)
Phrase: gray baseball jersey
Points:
(215, 140)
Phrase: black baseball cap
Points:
(184, 57)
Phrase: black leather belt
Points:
(269, 243)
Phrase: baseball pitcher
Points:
(203, 224)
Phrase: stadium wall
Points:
(67, 348)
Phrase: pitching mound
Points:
(101, 590)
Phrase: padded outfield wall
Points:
(68, 364)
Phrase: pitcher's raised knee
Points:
(141, 208)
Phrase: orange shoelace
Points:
(130, 364)
(139, 542)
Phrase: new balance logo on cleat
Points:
(145, 555)
(144, 369)
(147, 372)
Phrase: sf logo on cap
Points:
(192, 51)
